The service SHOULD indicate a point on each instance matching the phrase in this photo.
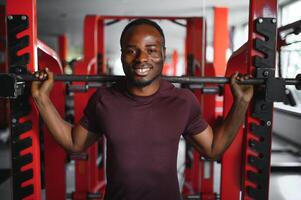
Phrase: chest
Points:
(153, 123)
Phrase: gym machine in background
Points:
(243, 174)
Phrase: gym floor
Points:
(285, 181)
(285, 185)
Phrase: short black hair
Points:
(141, 21)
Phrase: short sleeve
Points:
(196, 122)
(89, 118)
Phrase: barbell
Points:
(174, 79)
(13, 84)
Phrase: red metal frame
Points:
(258, 9)
(62, 49)
(221, 40)
(101, 58)
(234, 164)
(195, 49)
(210, 115)
(220, 46)
(28, 9)
(55, 186)
(170, 69)
(232, 158)
(174, 62)
(86, 171)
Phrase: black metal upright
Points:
(19, 107)
(259, 135)
(21, 58)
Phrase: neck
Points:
(146, 90)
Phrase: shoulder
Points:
(104, 92)
(183, 94)
(100, 91)
(187, 97)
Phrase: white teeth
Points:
(142, 71)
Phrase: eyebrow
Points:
(152, 45)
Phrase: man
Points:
(142, 118)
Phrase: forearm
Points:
(59, 128)
(224, 134)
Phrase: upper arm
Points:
(82, 138)
(85, 132)
(203, 141)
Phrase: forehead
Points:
(142, 31)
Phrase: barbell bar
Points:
(175, 79)
(12, 85)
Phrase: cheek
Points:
(126, 60)
(158, 61)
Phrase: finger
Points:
(39, 75)
(43, 74)
(50, 76)
(240, 78)
(245, 76)
(36, 74)
(48, 79)
(47, 84)
(234, 77)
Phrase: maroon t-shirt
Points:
(142, 138)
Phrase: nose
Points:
(142, 56)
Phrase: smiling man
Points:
(142, 118)
(143, 54)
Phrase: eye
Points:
(130, 51)
(153, 51)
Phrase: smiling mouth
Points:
(142, 71)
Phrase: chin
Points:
(140, 83)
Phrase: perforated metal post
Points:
(22, 51)
(258, 132)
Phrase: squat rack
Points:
(22, 21)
